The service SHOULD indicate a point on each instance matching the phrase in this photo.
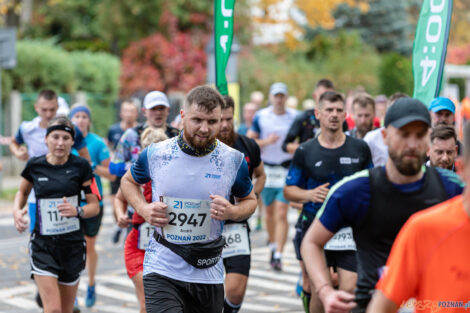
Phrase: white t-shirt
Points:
(377, 147)
(265, 123)
(178, 175)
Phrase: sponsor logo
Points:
(43, 179)
(318, 164)
(208, 262)
(214, 176)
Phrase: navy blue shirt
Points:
(348, 201)
(314, 165)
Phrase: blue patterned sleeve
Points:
(242, 186)
(452, 183)
(140, 169)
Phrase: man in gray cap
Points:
(269, 129)
(156, 109)
(376, 203)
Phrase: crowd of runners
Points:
(360, 170)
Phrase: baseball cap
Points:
(154, 98)
(278, 88)
(441, 103)
(406, 110)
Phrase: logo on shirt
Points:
(68, 171)
(43, 179)
(214, 176)
(318, 164)
(347, 160)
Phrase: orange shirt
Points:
(430, 260)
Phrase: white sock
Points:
(277, 255)
(272, 246)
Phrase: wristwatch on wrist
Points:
(80, 211)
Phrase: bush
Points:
(42, 65)
(347, 68)
(395, 74)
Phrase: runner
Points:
(237, 256)
(374, 138)
(443, 150)
(57, 246)
(129, 112)
(249, 111)
(156, 110)
(80, 115)
(376, 203)
(305, 125)
(138, 238)
(269, 129)
(193, 176)
(363, 113)
(317, 165)
(434, 266)
(29, 142)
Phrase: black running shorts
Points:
(53, 256)
(163, 294)
(345, 259)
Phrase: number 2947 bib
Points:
(236, 238)
(189, 220)
(50, 221)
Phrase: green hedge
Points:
(41, 65)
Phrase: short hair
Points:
(331, 96)
(363, 100)
(443, 132)
(395, 96)
(326, 83)
(47, 94)
(131, 101)
(60, 120)
(152, 135)
(228, 102)
(204, 97)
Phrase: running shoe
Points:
(276, 264)
(76, 307)
(298, 287)
(116, 235)
(90, 296)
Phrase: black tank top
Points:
(389, 209)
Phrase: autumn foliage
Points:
(158, 63)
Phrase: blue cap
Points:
(278, 88)
(441, 103)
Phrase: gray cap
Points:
(155, 98)
(406, 110)
(278, 88)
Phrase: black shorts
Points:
(345, 259)
(239, 264)
(163, 294)
(115, 185)
(53, 256)
(91, 226)
(303, 223)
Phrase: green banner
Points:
(223, 31)
(430, 47)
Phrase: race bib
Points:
(236, 238)
(145, 232)
(189, 220)
(342, 240)
(275, 176)
(50, 221)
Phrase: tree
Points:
(158, 63)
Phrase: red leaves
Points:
(158, 63)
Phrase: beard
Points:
(229, 139)
(364, 129)
(197, 143)
(408, 168)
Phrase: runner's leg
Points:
(282, 227)
(347, 280)
(139, 291)
(92, 259)
(67, 296)
(49, 291)
(235, 287)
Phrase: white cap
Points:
(155, 98)
(278, 88)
